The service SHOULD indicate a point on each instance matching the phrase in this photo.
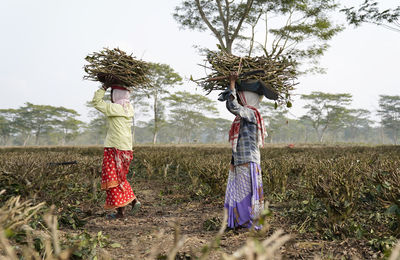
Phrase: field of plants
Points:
(323, 203)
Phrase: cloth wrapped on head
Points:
(121, 95)
(248, 98)
(257, 86)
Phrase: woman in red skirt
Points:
(117, 149)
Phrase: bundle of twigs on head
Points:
(277, 72)
(116, 67)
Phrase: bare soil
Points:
(150, 233)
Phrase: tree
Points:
(390, 115)
(67, 123)
(13, 125)
(274, 118)
(139, 103)
(188, 113)
(6, 129)
(98, 125)
(223, 18)
(355, 121)
(326, 111)
(8, 126)
(36, 119)
(215, 130)
(162, 76)
(304, 22)
(39, 120)
(368, 12)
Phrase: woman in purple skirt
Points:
(244, 197)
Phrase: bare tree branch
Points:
(212, 28)
(244, 16)
(224, 21)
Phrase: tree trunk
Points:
(155, 130)
(64, 139)
(37, 135)
(26, 139)
(7, 140)
(306, 136)
(37, 139)
(321, 136)
(155, 138)
(229, 47)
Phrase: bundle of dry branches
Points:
(116, 67)
(276, 71)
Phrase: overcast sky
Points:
(44, 42)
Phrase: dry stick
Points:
(270, 246)
(240, 66)
(178, 243)
(215, 241)
(155, 250)
(114, 64)
(51, 222)
(275, 243)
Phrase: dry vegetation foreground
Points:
(335, 202)
(153, 229)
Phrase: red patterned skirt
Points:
(113, 178)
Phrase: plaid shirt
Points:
(247, 149)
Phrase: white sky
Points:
(44, 42)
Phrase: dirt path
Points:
(153, 229)
(154, 226)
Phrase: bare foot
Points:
(133, 203)
(135, 206)
(120, 212)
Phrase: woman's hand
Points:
(107, 81)
(232, 78)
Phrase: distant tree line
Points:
(184, 117)
(328, 118)
(39, 124)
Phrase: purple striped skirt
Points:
(244, 198)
